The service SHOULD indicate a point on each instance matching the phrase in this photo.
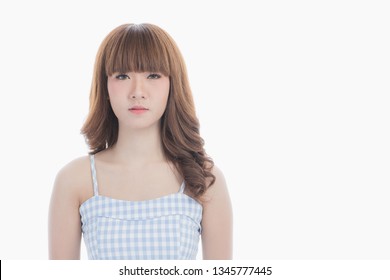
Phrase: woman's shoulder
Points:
(217, 172)
(75, 177)
(218, 187)
(75, 169)
(217, 220)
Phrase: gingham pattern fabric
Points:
(164, 228)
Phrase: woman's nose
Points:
(138, 89)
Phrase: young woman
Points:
(147, 190)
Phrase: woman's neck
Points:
(138, 147)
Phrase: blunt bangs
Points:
(137, 48)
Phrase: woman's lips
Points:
(138, 110)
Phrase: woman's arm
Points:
(217, 221)
(64, 217)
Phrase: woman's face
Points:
(138, 99)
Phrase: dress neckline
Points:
(138, 201)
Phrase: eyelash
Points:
(155, 76)
(152, 76)
(122, 77)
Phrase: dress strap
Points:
(182, 187)
(93, 171)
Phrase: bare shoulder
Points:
(218, 189)
(217, 220)
(74, 171)
(74, 179)
(64, 218)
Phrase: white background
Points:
(292, 96)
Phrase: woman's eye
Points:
(122, 77)
(154, 76)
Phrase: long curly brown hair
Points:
(148, 48)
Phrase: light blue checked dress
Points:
(163, 228)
